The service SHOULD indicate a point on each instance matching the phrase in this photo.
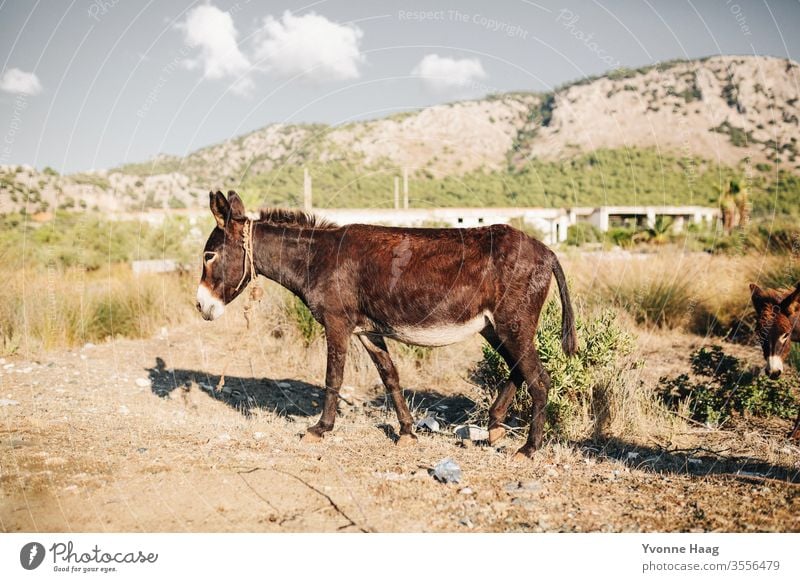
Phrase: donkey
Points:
(777, 326)
(422, 286)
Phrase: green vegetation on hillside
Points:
(604, 177)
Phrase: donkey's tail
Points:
(569, 337)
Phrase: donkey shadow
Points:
(288, 397)
(285, 397)
(695, 461)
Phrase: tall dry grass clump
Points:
(51, 308)
(697, 292)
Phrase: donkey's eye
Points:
(208, 257)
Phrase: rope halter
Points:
(247, 244)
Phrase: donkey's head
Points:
(225, 269)
(776, 316)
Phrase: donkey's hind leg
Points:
(377, 350)
(505, 396)
(523, 358)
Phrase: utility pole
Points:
(396, 192)
(405, 188)
(307, 204)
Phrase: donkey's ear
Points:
(219, 208)
(757, 295)
(237, 206)
(793, 297)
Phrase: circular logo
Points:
(31, 555)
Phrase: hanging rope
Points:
(247, 243)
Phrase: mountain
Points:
(676, 131)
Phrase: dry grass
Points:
(42, 310)
(697, 292)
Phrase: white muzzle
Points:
(209, 306)
(774, 365)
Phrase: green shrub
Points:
(583, 233)
(599, 366)
(725, 385)
(303, 320)
(621, 236)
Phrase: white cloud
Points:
(446, 74)
(213, 32)
(17, 81)
(310, 44)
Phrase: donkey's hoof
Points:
(525, 453)
(496, 433)
(406, 440)
(310, 438)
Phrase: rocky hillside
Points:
(721, 110)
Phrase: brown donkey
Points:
(778, 325)
(423, 286)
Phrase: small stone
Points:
(259, 436)
(223, 438)
(284, 385)
(466, 522)
(141, 450)
(142, 382)
(552, 472)
(531, 485)
(466, 491)
(447, 471)
(472, 433)
(8, 402)
(124, 410)
(8, 366)
(428, 423)
(632, 456)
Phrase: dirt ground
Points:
(144, 436)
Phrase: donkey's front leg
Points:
(337, 338)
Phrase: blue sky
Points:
(94, 84)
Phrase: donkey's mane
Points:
(287, 216)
